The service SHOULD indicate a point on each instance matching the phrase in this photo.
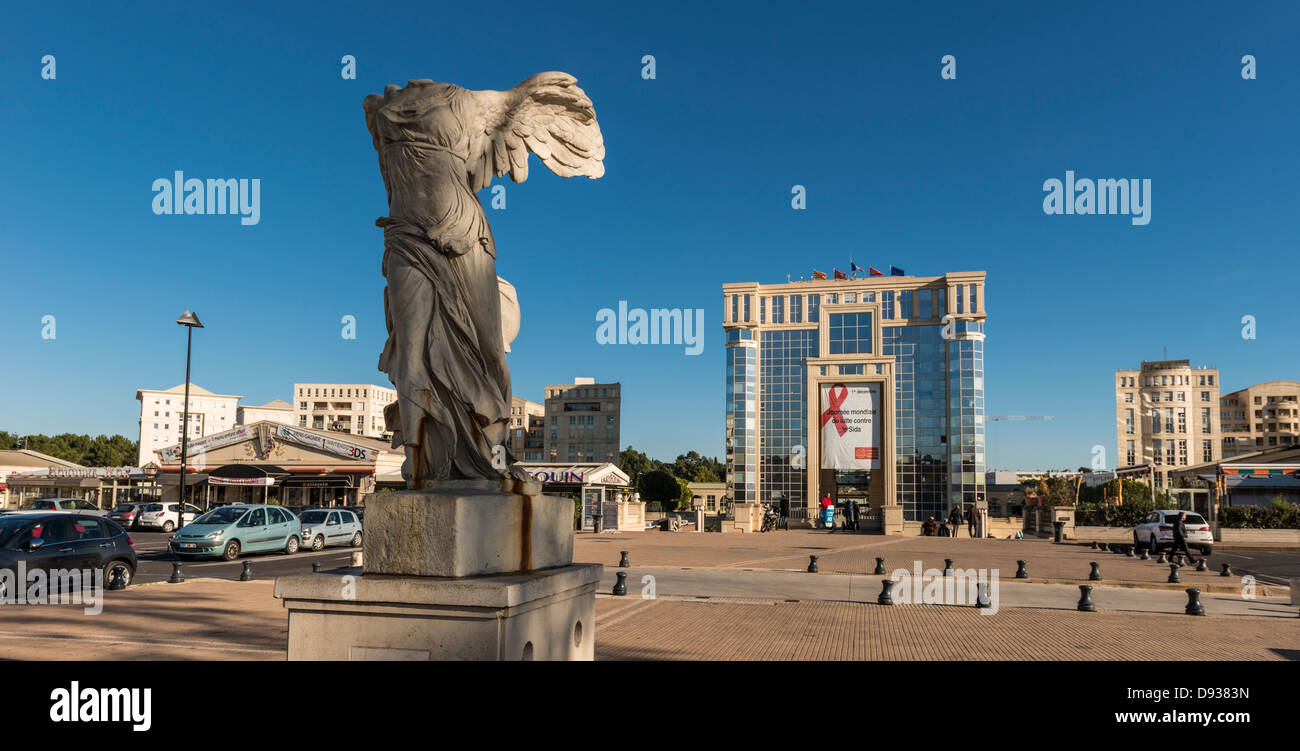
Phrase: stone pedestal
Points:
(466, 528)
(749, 517)
(467, 570)
(1062, 514)
(631, 516)
(537, 615)
(891, 516)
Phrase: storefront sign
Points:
(214, 441)
(322, 443)
(850, 430)
(547, 475)
(267, 481)
(108, 473)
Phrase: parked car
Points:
(230, 531)
(155, 516)
(321, 527)
(50, 540)
(126, 514)
(360, 511)
(66, 504)
(1156, 531)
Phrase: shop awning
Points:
(246, 475)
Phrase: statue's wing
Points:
(547, 115)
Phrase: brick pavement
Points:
(218, 619)
(855, 554)
(200, 619)
(678, 630)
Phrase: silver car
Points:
(1156, 531)
(321, 527)
(66, 504)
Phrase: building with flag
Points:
(869, 389)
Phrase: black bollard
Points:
(880, 567)
(1128, 551)
(1085, 602)
(886, 592)
(812, 564)
(177, 577)
(1200, 565)
(1102, 547)
(1094, 545)
(982, 595)
(1162, 559)
(1021, 573)
(1144, 555)
(1227, 570)
(623, 562)
(1095, 574)
(947, 567)
(1174, 578)
(118, 581)
(247, 574)
(620, 587)
(1194, 606)
(315, 568)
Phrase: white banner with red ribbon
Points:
(850, 430)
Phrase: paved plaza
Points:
(747, 597)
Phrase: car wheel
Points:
(291, 546)
(318, 542)
(115, 567)
(1154, 545)
(168, 526)
(1206, 550)
(356, 540)
(1136, 545)
(231, 551)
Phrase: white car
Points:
(153, 516)
(1156, 531)
(66, 504)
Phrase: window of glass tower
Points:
(850, 333)
(783, 403)
(920, 417)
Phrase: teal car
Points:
(229, 531)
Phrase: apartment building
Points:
(1168, 416)
(527, 422)
(355, 408)
(582, 421)
(1260, 417)
(276, 410)
(162, 411)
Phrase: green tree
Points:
(661, 486)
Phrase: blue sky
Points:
(900, 166)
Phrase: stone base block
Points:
(465, 528)
(538, 615)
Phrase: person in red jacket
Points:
(826, 503)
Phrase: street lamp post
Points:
(190, 322)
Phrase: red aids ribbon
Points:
(833, 412)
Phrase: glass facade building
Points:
(933, 330)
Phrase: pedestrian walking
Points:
(828, 519)
(1180, 537)
(970, 520)
(954, 519)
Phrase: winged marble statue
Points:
(438, 145)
